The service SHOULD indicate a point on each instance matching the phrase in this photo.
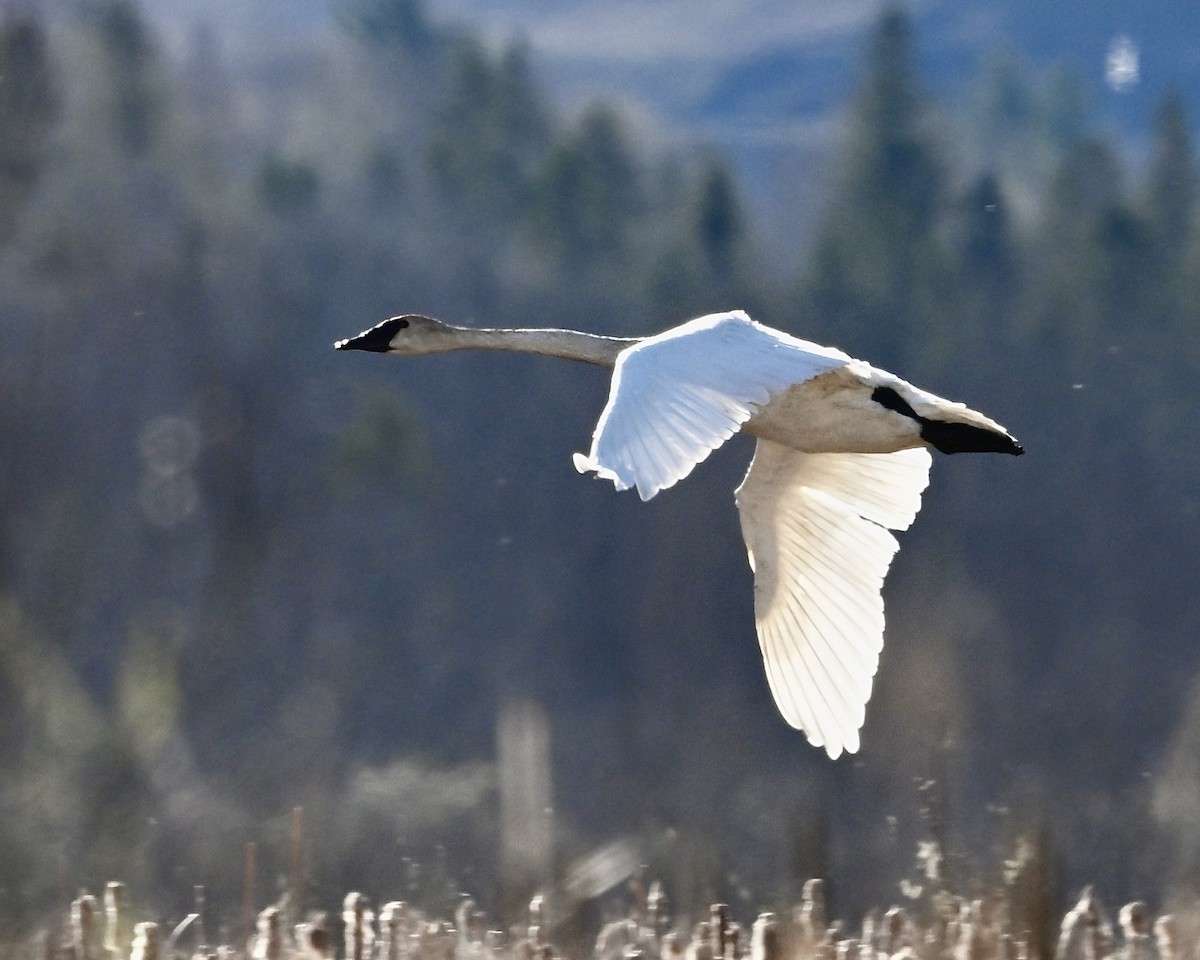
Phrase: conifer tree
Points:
(988, 274)
(986, 243)
(1171, 194)
(131, 62)
(589, 192)
(1169, 204)
(397, 23)
(878, 243)
(28, 107)
(490, 131)
(719, 221)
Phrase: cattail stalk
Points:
(296, 866)
(360, 937)
(84, 928)
(764, 939)
(249, 882)
(117, 933)
(145, 942)
(393, 930)
(268, 937)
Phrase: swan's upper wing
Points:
(678, 396)
(816, 528)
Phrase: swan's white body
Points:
(842, 459)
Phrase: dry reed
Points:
(957, 929)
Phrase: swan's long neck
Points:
(568, 344)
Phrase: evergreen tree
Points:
(1085, 187)
(1170, 211)
(1004, 106)
(1086, 184)
(988, 272)
(891, 162)
(700, 266)
(986, 243)
(489, 133)
(1062, 111)
(878, 242)
(1171, 193)
(286, 186)
(589, 193)
(719, 221)
(1023, 120)
(131, 62)
(396, 23)
(29, 101)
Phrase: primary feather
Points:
(816, 530)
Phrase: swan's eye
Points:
(401, 323)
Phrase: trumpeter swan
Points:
(842, 458)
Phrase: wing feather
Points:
(678, 396)
(839, 686)
(817, 532)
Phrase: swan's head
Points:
(408, 334)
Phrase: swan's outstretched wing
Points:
(678, 396)
(816, 529)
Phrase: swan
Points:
(841, 460)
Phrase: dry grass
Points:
(940, 927)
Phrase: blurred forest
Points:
(240, 572)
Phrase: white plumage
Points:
(678, 396)
(841, 460)
(817, 532)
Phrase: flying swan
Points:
(842, 458)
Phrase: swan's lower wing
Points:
(816, 529)
(678, 396)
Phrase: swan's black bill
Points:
(377, 339)
(949, 436)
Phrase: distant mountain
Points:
(764, 80)
(780, 56)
